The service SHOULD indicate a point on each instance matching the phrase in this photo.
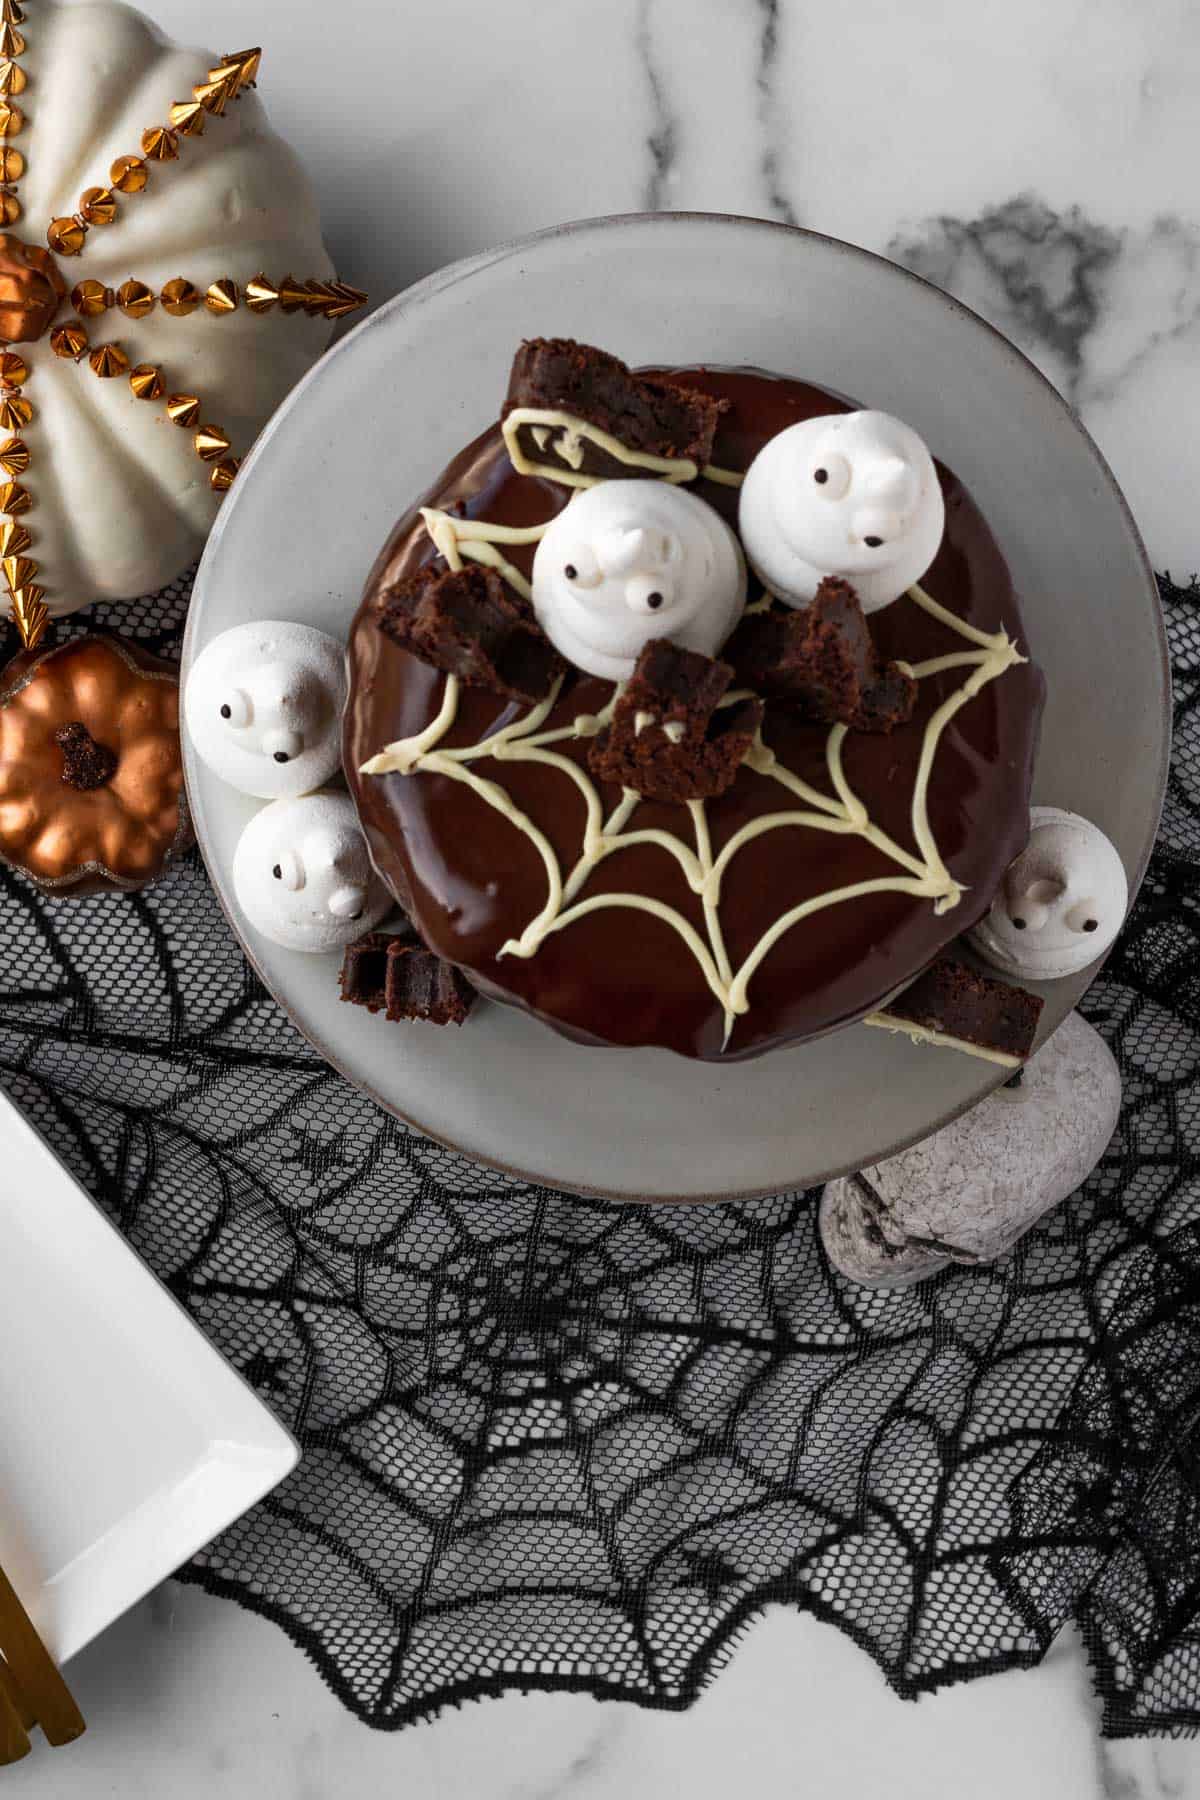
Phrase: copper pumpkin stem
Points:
(87, 765)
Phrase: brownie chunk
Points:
(669, 739)
(821, 659)
(399, 977)
(888, 702)
(957, 1002)
(470, 623)
(646, 413)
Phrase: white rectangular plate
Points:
(126, 1442)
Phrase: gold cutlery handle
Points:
(15, 1720)
(41, 1690)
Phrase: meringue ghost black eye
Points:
(571, 572)
(873, 543)
(654, 600)
(281, 756)
(1091, 924)
(227, 711)
(277, 872)
(1019, 924)
(821, 476)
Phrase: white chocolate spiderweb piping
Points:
(985, 657)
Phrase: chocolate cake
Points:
(880, 787)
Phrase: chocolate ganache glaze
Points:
(473, 880)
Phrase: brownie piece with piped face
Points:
(670, 738)
(648, 414)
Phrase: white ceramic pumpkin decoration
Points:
(132, 165)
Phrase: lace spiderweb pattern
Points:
(554, 1443)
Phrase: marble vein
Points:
(662, 140)
(1148, 1775)
(1091, 303)
(586, 1766)
(1110, 312)
(1047, 269)
(771, 113)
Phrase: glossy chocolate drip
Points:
(471, 881)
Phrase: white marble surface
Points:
(190, 1698)
(1039, 158)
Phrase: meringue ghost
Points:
(628, 561)
(1061, 903)
(302, 875)
(851, 494)
(263, 706)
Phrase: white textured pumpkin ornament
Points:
(134, 363)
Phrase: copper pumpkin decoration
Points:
(91, 776)
(31, 290)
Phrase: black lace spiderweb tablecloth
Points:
(553, 1443)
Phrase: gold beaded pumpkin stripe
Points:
(33, 292)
